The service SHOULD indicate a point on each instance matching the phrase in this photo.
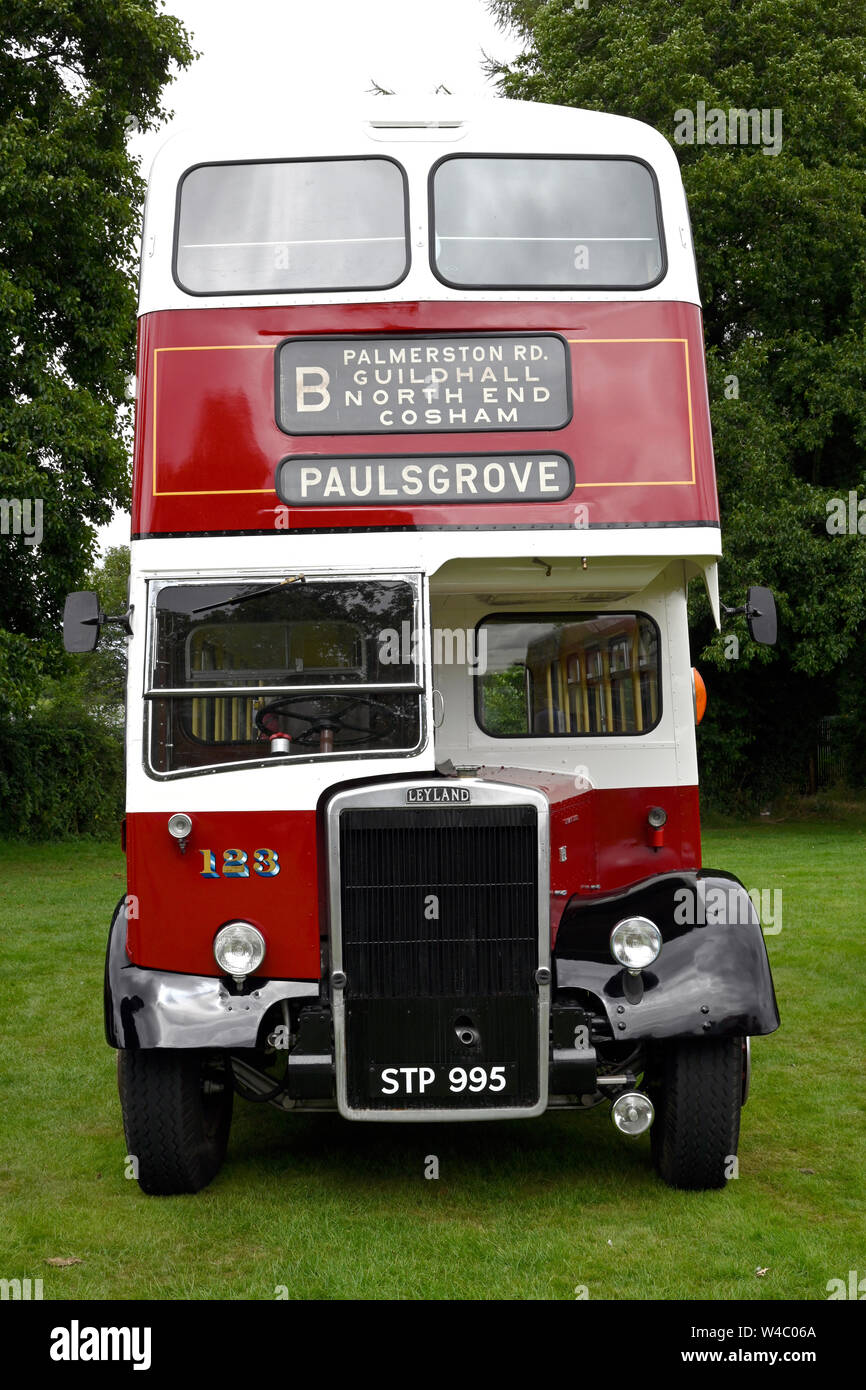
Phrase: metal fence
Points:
(830, 761)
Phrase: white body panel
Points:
(483, 127)
(471, 574)
(664, 757)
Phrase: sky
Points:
(315, 49)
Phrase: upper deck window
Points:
(291, 225)
(529, 222)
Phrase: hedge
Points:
(59, 778)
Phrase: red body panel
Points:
(179, 911)
(207, 443)
(607, 840)
(605, 835)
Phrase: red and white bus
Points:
(423, 470)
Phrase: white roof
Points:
(416, 133)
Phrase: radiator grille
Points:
(439, 919)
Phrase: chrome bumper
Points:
(158, 1008)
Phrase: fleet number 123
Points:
(266, 863)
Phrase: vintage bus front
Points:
(423, 470)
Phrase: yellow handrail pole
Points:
(635, 679)
(605, 681)
(563, 692)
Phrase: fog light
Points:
(239, 949)
(179, 825)
(632, 1113)
(635, 942)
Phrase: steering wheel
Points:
(335, 720)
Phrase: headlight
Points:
(239, 949)
(635, 942)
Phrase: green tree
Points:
(93, 684)
(61, 762)
(781, 250)
(504, 701)
(74, 76)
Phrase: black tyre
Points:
(177, 1112)
(696, 1086)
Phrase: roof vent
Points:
(416, 125)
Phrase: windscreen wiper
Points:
(257, 593)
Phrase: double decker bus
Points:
(423, 470)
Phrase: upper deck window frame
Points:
(295, 290)
(571, 286)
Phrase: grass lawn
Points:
(527, 1209)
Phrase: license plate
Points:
(451, 1081)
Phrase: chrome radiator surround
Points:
(393, 796)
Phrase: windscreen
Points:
(297, 668)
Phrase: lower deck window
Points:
(568, 675)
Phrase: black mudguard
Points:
(711, 979)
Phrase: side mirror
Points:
(81, 622)
(761, 616)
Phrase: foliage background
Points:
(74, 76)
(61, 762)
(781, 251)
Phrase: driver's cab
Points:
(299, 667)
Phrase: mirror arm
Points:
(122, 619)
(732, 612)
(747, 608)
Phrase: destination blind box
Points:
(371, 480)
(431, 384)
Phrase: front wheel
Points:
(177, 1111)
(696, 1086)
